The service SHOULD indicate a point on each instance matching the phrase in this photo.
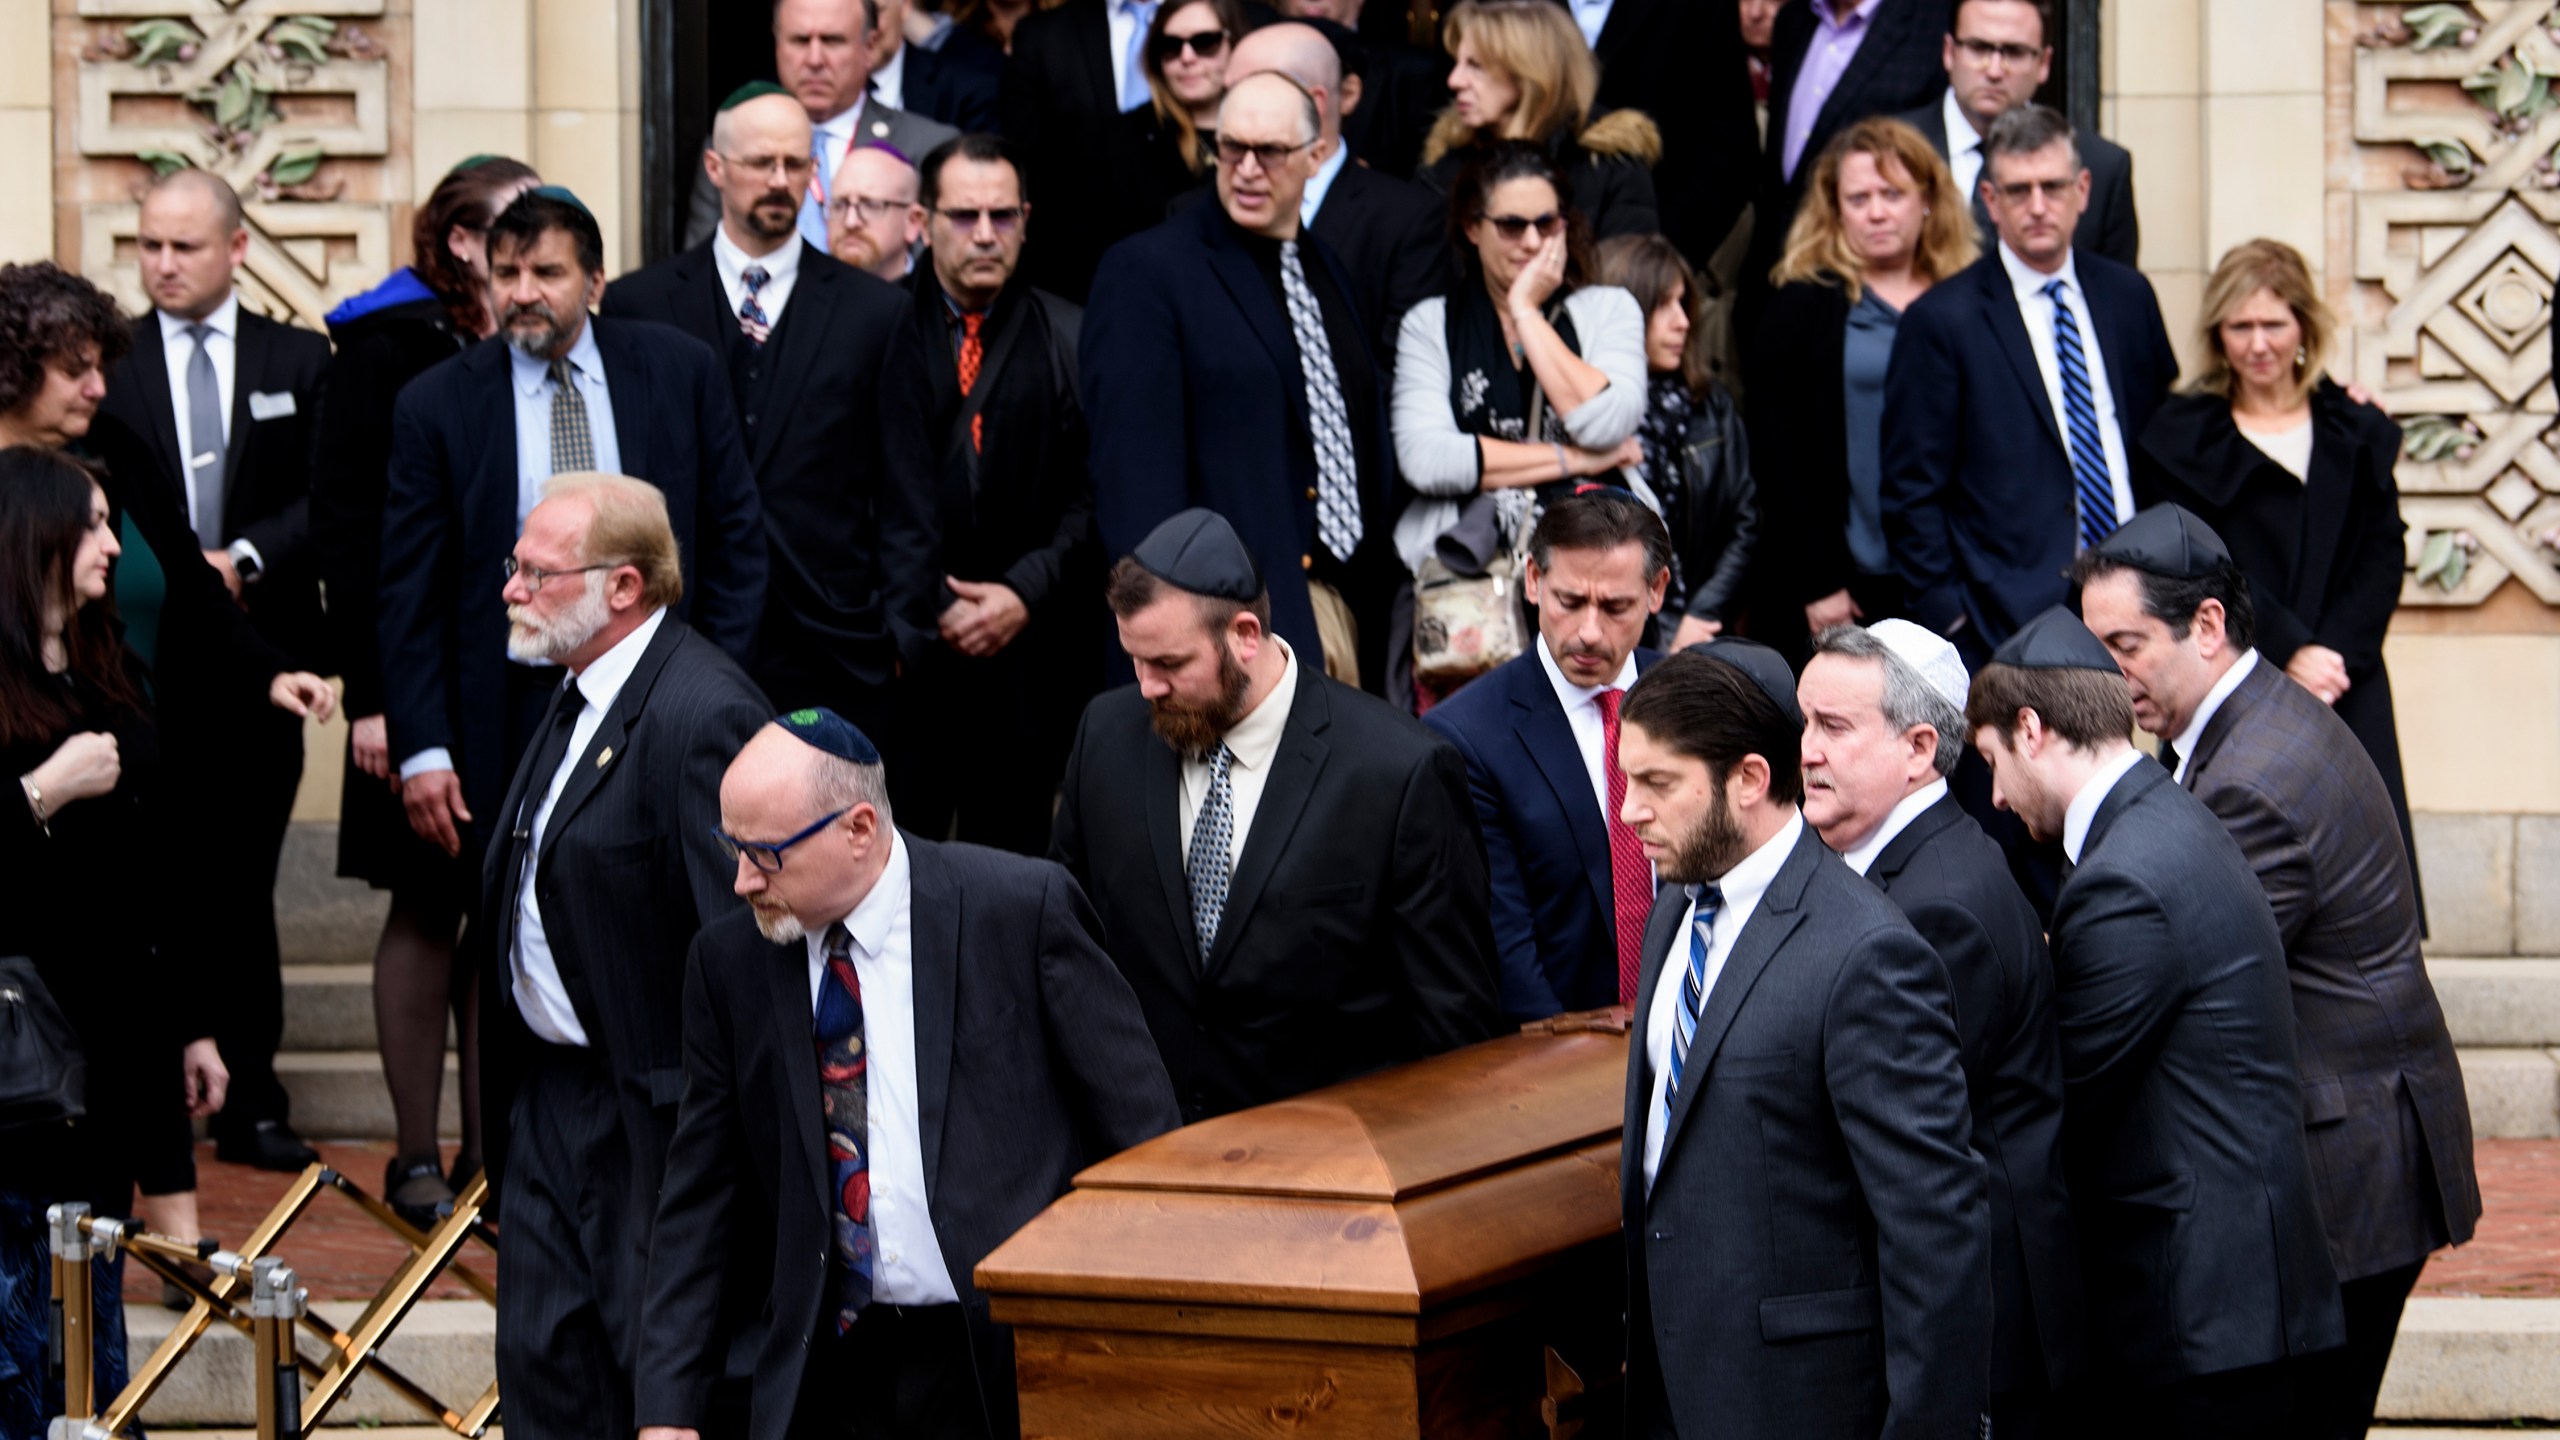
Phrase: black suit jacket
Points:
(1354, 935)
(1088, 165)
(1192, 387)
(1402, 90)
(266, 496)
(626, 872)
(1813, 1259)
(2108, 227)
(1682, 64)
(1953, 884)
(450, 520)
(944, 85)
(2382, 1095)
(1799, 422)
(2182, 1130)
(1546, 843)
(1391, 235)
(838, 440)
(1980, 511)
(1031, 1063)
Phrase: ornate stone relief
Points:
(2456, 195)
(288, 100)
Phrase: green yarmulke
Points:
(561, 193)
(474, 162)
(752, 90)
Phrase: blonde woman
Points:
(1881, 222)
(2296, 477)
(1522, 72)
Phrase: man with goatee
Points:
(1807, 1227)
(1288, 871)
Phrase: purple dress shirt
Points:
(1826, 58)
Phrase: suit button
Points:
(1306, 562)
(1311, 492)
(751, 419)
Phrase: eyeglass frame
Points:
(1256, 152)
(2019, 192)
(793, 167)
(536, 577)
(752, 850)
(1512, 227)
(966, 220)
(866, 210)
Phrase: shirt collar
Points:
(583, 357)
(873, 920)
(225, 321)
(1570, 695)
(602, 681)
(1896, 820)
(1256, 738)
(1322, 184)
(782, 264)
(1744, 884)
(2084, 806)
(1828, 11)
(2029, 282)
(843, 125)
(889, 79)
(2213, 698)
(1961, 134)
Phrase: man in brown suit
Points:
(2387, 1124)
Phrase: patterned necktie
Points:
(813, 207)
(1337, 472)
(2088, 454)
(573, 446)
(1693, 990)
(751, 316)
(973, 353)
(204, 435)
(1212, 838)
(1630, 873)
(845, 1107)
(1133, 76)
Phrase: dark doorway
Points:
(698, 51)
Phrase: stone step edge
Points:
(447, 1346)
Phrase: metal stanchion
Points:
(74, 1323)
(276, 1304)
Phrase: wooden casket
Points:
(1429, 1251)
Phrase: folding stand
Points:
(276, 1307)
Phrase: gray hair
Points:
(2026, 130)
(842, 784)
(1908, 699)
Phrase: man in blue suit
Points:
(2014, 397)
(1226, 367)
(1571, 884)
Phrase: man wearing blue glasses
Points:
(601, 866)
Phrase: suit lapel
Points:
(1924, 827)
(1547, 736)
(151, 377)
(1161, 794)
(1883, 41)
(2115, 346)
(626, 379)
(2244, 698)
(1093, 47)
(700, 292)
(1772, 921)
(933, 950)
(1295, 769)
(2131, 786)
(806, 327)
(250, 351)
(2009, 330)
(1243, 279)
(588, 769)
(1625, 18)
(795, 1042)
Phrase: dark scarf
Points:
(1664, 434)
(1490, 395)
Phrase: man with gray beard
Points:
(602, 869)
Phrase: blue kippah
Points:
(562, 194)
(831, 732)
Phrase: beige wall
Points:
(26, 130)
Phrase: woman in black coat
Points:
(1523, 73)
(2297, 479)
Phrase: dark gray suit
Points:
(1813, 1260)
(576, 1142)
(1032, 1061)
(1953, 884)
(913, 136)
(2108, 227)
(2182, 1133)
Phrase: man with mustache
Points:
(602, 871)
(1288, 871)
(1808, 1241)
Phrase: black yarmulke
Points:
(1763, 666)
(2055, 640)
(1197, 551)
(2167, 540)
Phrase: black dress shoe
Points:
(414, 1188)
(269, 1145)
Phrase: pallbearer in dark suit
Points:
(993, 708)
(1288, 871)
(1571, 885)
(1808, 1243)
(1884, 723)
(222, 398)
(901, 1056)
(2388, 1125)
(827, 372)
(2207, 1274)
(604, 869)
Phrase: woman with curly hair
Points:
(1523, 73)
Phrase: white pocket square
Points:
(263, 406)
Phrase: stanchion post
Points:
(74, 1322)
(276, 1305)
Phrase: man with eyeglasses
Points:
(1227, 366)
(903, 1052)
(825, 368)
(602, 868)
(1996, 57)
(873, 221)
(1019, 656)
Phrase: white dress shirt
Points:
(889, 82)
(1593, 17)
(178, 348)
(1743, 885)
(539, 994)
(1590, 727)
(1964, 147)
(2037, 311)
(781, 272)
(1126, 27)
(2084, 806)
(2213, 698)
(1896, 820)
(533, 416)
(1322, 184)
(1256, 743)
(836, 135)
(907, 1265)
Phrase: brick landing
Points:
(2516, 1253)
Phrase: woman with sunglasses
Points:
(1522, 72)
(1186, 64)
(1881, 222)
(1523, 379)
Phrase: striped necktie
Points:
(1328, 418)
(573, 444)
(1693, 991)
(2088, 453)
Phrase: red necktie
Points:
(1630, 874)
(973, 353)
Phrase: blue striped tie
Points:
(1693, 991)
(2088, 454)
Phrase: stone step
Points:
(447, 1346)
(2474, 1360)
(340, 1095)
(2514, 1092)
(2499, 1001)
(320, 918)
(328, 1007)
